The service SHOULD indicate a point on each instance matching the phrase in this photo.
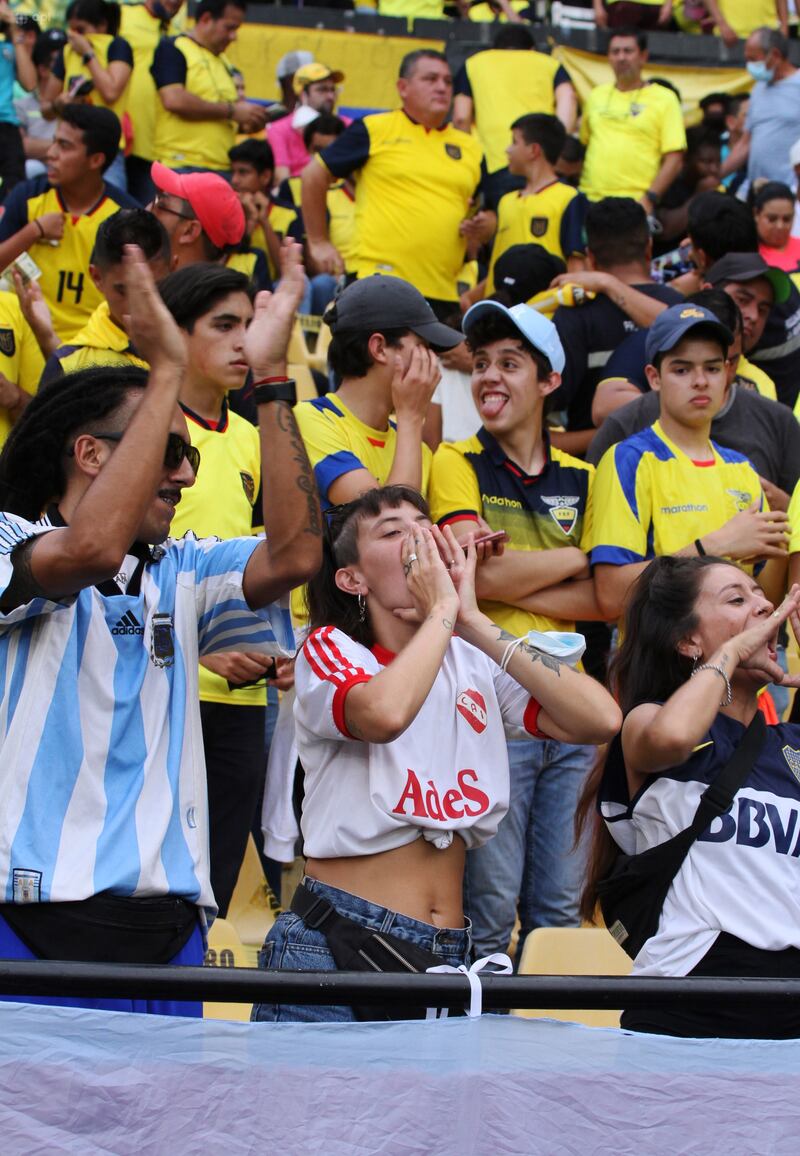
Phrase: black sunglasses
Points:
(177, 449)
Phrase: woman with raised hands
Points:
(699, 643)
(403, 691)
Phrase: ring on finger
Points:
(412, 558)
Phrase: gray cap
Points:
(289, 64)
(380, 302)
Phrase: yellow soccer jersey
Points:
(107, 49)
(753, 373)
(342, 222)
(794, 519)
(67, 287)
(626, 134)
(100, 342)
(21, 359)
(553, 218)
(651, 499)
(475, 477)
(180, 143)
(413, 189)
(505, 84)
(220, 504)
(744, 16)
(143, 32)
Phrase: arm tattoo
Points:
(305, 476)
(23, 587)
(535, 655)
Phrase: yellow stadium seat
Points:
(319, 358)
(225, 949)
(304, 380)
(573, 951)
(298, 350)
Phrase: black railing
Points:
(248, 985)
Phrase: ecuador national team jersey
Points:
(652, 499)
(505, 84)
(181, 143)
(626, 134)
(413, 188)
(553, 218)
(220, 504)
(338, 443)
(21, 358)
(542, 512)
(100, 342)
(142, 31)
(65, 282)
(794, 521)
(69, 68)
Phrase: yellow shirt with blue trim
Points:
(65, 282)
(143, 31)
(626, 134)
(794, 520)
(21, 359)
(69, 68)
(182, 143)
(100, 342)
(413, 188)
(220, 505)
(554, 218)
(545, 511)
(652, 499)
(505, 84)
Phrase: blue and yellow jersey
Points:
(652, 499)
(65, 282)
(794, 519)
(100, 342)
(338, 443)
(505, 84)
(142, 31)
(253, 263)
(476, 477)
(21, 359)
(283, 221)
(554, 218)
(413, 188)
(69, 68)
(181, 143)
(220, 505)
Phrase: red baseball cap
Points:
(213, 201)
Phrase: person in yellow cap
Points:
(315, 87)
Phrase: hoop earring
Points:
(362, 607)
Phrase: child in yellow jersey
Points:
(21, 362)
(545, 211)
(252, 172)
(670, 489)
(213, 307)
(104, 339)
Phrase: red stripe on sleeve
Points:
(530, 719)
(339, 697)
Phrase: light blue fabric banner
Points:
(85, 1082)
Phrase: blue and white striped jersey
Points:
(102, 775)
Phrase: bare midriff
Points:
(416, 880)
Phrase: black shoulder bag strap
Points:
(717, 798)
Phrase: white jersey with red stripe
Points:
(446, 773)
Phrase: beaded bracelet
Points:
(717, 670)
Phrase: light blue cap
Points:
(541, 333)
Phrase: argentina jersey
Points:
(102, 774)
(742, 876)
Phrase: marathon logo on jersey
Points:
(453, 151)
(743, 498)
(793, 759)
(755, 824)
(128, 624)
(466, 802)
(471, 705)
(8, 345)
(562, 510)
(248, 485)
(539, 226)
(27, 885)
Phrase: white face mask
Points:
(759, 71)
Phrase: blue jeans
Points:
(530, 867)
(292, 946)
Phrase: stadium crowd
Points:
(460, 442)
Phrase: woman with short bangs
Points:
(773, 210)
(700, 639)
(403, 691)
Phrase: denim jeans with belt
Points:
(529, 867)
(292, 946)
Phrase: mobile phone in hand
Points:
(487, 539)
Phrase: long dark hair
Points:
(647, 667)
(327, 604)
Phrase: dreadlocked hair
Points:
(32, 462)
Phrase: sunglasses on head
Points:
(177, 449)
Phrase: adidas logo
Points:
(128, 624)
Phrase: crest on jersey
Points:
(453, 151)
(248, 485)
(793, 759)
(7, 343)
(539, 226)
(743, 498)
(563, 511)
(472, 706)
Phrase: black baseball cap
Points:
(748, 267)
(381, 302)
(525, 270)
